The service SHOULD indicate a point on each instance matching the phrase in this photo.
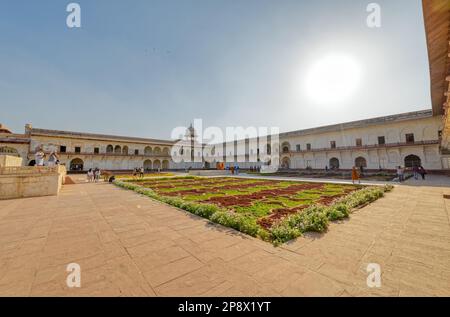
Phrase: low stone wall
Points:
(21, 182)
(9, 160)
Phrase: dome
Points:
(4, 129)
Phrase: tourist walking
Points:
(422, 172)
(416, 172)
(97, 175)
(141, 172)
(39, 157)
(400, 174)
(355, 175)
(90, 175)
(53, 159)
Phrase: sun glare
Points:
(332, 79)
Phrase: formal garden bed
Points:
(275, 211)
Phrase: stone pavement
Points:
(129, 245)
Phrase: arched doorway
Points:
(286, 163)
(117, 149)
(125, 150)
(109, 149)
(157, 151)
(157, 164)
(76, 164)
(147, 165)
(412, 161)
(360, 162)
(32, 163)
(334, 163)
(148, 150)
(165, 165)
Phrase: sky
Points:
(143, 67)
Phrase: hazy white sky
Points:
(141, 68)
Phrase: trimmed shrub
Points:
(283, 232)
(236, 221)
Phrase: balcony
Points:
(369, 147)
(153, 155)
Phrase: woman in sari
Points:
(355, 175)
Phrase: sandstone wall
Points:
(21, 182)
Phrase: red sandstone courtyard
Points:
(129, 245)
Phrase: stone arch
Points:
(286, 147)
(76, 164)
(286, 163)
(165, 165)
(166, 151)
(109, 149)
(148, 150)
(117, 149)
(156, 164)
(412, 161)
(157, 150)
(125, 150)
(334, 163)
(360, 162)
(147, 164)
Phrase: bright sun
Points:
(332, 79)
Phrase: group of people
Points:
(234, 169)
(138, 171)
(93, 175)
(39, 158)
(255, 169)
(417, 170)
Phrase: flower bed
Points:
(275, 211)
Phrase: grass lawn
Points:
(275, 211)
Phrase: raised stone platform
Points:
(31, 181)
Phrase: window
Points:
(299, 148)
(96, 150)
(136, 152)
(77, 149)
(359, 142)
(62, 149)
(333, 144)
(381, 140)
(410, 138)
(308, 146)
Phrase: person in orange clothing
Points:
(355, 175)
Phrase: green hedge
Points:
(315, 218)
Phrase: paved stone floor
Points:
(129, 245)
